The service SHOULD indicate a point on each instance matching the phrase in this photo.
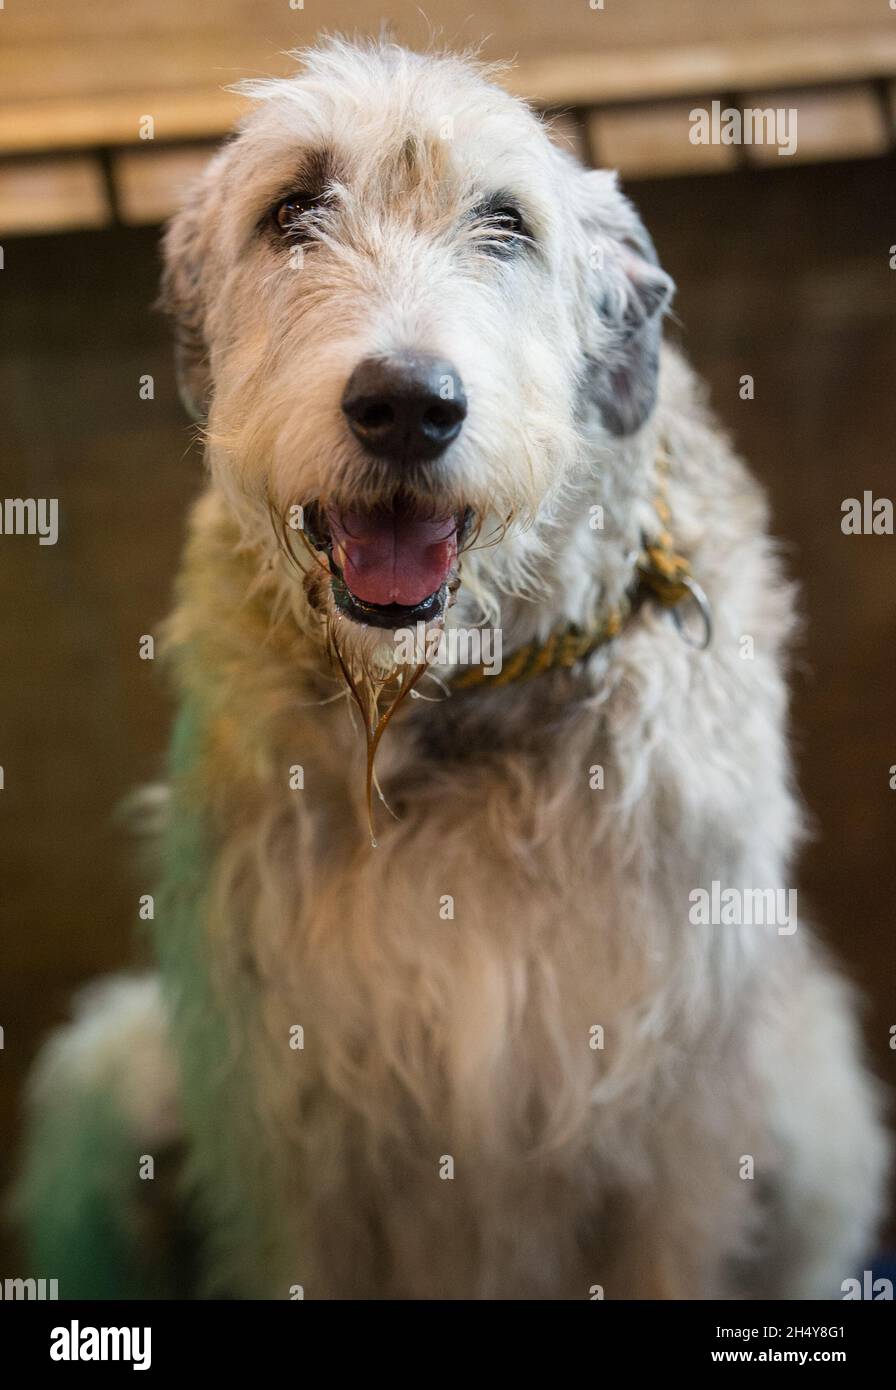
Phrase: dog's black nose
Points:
(408, 407)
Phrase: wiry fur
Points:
(469, 1038)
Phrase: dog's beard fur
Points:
(367, 662)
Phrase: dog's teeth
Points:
(339, 554)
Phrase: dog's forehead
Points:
(390, 111)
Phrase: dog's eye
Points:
(502, 228)
(508, 219)
(289, 214)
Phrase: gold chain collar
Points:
(661, 573)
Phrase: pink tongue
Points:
(393, 557)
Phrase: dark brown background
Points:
(782, 274)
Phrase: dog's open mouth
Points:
(391, 565)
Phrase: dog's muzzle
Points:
(393, 564)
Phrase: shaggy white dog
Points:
(553, 1034)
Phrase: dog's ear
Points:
(183, 298)
(627, 294)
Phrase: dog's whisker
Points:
(380, 794)
(432, 699)
(327, 700)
